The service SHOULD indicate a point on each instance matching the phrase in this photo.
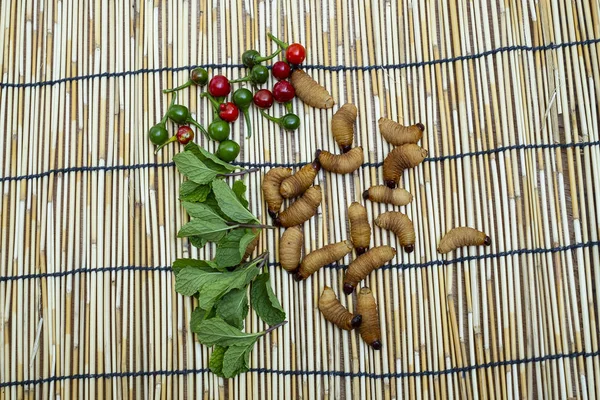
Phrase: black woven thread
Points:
(342, 374)
(457, 260)
(131, 167)
(505, 49)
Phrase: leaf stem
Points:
(246, 171)
(272, 328)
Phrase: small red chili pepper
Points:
(185, 134)
(281, 70)
(263, 98)
(219, 86)
(228, 112)
(295, 53)
(283, 91)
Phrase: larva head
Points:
(376, 345)
(272, 214)
(361, 250)
(346, 149)
(365, 195)
(420, 126)
(348, 288)
(487, 241)
(355, 323)
(390, 183)
(409, 248)
(277, 221)
(297, 276)
(316, 164)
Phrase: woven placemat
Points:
(509, 97)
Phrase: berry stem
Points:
(280, 43)
(175, 89)
(248, 123)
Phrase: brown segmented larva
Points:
(309, 91)
(342, 126)
(370, 330)
(335, 312)
(301, 210)
(402, 227)
(319, 258)
(290, 248)
(343, 163)
(383, 194)
(401, 158)
(364, 264)
(462, 236)
(360, 230)
(398, 134)
(270, 187)
(297, 184)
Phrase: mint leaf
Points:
(209, 230)
(236, 360)
(192, 192)
(205, 223)
(216, 286)
(189, 280)
(214, 205)
(194, 169)
(199, 315)
(229, 203)
(233, 307)
(264, 301)
(239, 188)
(231, 248)
(181, 263)
(216, 331)
(216, 361)
(210, 159)
(197, 241)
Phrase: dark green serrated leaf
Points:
(216, 361)
(197, 241)
(233, 307)
(190, 279)
(211, 231)
(181, 263)
(221, 285)
(192, 192)
(229, 203)
(264, 301)
(194, 169)
(216, 331)
(231, 249)
(236, 360)
(239, 188)
(214, 205)
(199, 315)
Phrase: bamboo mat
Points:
(508, 91)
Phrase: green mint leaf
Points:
(199, 315)
(216, 331)
(192, 192)
(239, 188)
(214, 205)
(210, 159)
(264, 301)
(209, 230)
(231, 248)
(197, 241)
(216, 360)
(191, 279)
(236, 360)
(181, 263)
(229, 203)
(233, 307)
(205, 223)
(194, 169)
(214, 287)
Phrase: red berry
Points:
(263, 98)
(283, 91)
(281, 70)
(295, 53)
(219, 86)
(185, 134)
(228, 112)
